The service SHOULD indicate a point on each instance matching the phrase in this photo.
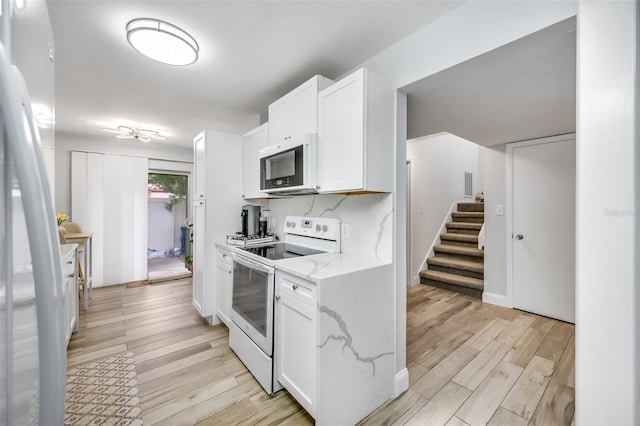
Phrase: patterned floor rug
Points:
(103, 393)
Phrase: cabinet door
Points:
(253, 142)
(199, 260)
(341, 135)
(66, 297)
(304, 108)
(223, 285)
(296, 345)
(72, 294)
(199, 166)
(280, 120)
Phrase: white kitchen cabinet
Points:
(356, 136)
(295, 340)
(69, 254)
(199, 167)
(252, 142)
(296, 112)
(334, 335)
(199, 254)
(216, 212)
(224, 283)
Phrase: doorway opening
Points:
(168, 232)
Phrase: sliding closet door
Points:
(109, 198)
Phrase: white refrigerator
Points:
(32, 351)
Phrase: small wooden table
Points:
(87, 239)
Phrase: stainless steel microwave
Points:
(289, 167)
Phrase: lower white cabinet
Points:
(334, 328)
(224, 283)
(296, 360)
(70, 288)
(201, 294)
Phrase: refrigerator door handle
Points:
(45, 252)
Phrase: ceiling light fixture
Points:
(126, 132)
(162, 41)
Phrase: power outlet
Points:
(346, 231)
(499, 210)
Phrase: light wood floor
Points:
(469, 362)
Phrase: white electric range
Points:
(251, 332)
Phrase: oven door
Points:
(252, 301)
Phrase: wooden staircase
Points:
(458, 264)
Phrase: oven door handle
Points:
(252, 264)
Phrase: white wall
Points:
(495, 248)
(161, 225)
(67, 142)
(438, 164)
(607, 219)
(470, 30)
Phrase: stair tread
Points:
(459, 237)
(473, 207)
(464, 225)
(469, 251)
(452, 262)
(460, 280)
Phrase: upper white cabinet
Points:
(356, 143)
(216, 212)
(199, 167)
(252, 142)
(296, 112)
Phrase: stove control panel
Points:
(317, 227)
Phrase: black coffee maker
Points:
(250, 218)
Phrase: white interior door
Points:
(543, 280)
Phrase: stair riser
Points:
(463, 231)
(476, 259)
(464, 290)
(457, 271)
(470, 207)
(459, 243)
(464, 219)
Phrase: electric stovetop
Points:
(280, 251)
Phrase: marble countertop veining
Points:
(323, 266)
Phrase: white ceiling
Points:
(523, 90)
(251, 53)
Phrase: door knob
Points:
(519, 237)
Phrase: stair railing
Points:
(442, 230)
(481, 238)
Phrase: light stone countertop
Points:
(66, 249)
(323, 266)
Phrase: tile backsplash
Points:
(369, 218)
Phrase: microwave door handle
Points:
(251, 264)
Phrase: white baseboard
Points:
(496, 299)
(402, 382)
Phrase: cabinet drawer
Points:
(298, 288)
(68, 267)
(224, 257)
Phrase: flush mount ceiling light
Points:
(126, 132)
(162, 41)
